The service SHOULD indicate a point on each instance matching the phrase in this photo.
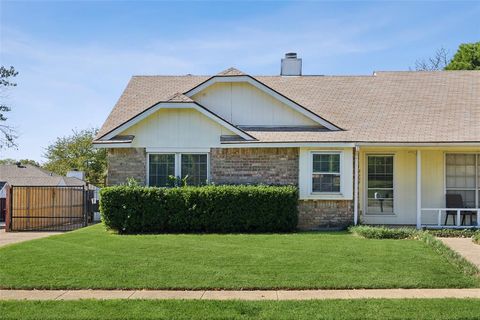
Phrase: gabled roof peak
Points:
(179, 97)
(231, 72)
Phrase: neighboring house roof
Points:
(28, 175)
(441, 106)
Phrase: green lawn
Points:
(94, 258)
(177, 309)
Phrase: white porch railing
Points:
(458, 217)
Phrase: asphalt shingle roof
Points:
(386, 107)
(28, 175)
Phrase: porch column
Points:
(419, 189)
(355, 187)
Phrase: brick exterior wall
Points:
(126, 163)
(324, 214)
(275, 166)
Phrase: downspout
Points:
(355, 187)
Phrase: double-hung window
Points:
(463, 177)
(326, 172)
(162, 167)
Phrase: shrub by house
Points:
(211, 209)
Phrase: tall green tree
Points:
(7, 133)
(76, 152)
(467, 57)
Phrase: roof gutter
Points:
(418, 144)
(107, 144)
(287, 144)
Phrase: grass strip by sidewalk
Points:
(195, 309)
(452, 256)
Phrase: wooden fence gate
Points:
(34, 208)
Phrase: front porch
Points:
(428, 187)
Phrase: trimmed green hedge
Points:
(210, 209)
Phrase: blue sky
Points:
(75, 58)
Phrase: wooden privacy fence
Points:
(38, 208)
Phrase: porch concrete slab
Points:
(96, 294)
(240, 295)
(30, 294)
(16, 237)
(465, 247)
(166, 294)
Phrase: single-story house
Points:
(27, 175)
(391, 148)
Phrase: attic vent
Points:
(291, 65)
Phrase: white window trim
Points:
(178, 162)
(340, 173)
(305, 174)
(365, 186)
(477, 176)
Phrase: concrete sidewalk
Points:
(15, 237)
(239, 295)
(465, 247)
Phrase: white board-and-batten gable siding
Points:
(177, 128)
(245, 105)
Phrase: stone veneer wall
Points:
(275, 166)
(324, 214)
(278, 166)
(126, 163)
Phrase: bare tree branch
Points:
(438, 62)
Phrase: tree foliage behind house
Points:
(7, 134)
(76, 152)
(466, 58)
(22, 161)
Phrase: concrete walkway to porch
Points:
(15, 237)
(465, 247)
(240, 295)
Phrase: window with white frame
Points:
(462, 177)
(380, 184)
(163, 166)
(326, 172)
